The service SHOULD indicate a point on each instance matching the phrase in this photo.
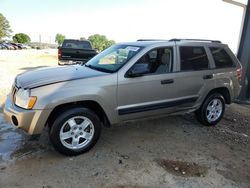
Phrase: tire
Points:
(208, 114)
(75, 131)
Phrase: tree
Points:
(110, 43)
(4, 27)
(59, 38)
(21, 38)
(82, 38)
(100, 42)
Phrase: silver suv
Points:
(125, 82)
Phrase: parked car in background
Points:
(16, 46)
(75, 52)
(13, 46)
(8, 46)
(24, 46)
(125, 82)
(2, 47)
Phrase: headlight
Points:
(24, 100)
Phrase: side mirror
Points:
(137, 70)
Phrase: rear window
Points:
(221, 58)
(193, 58)
(76, 44)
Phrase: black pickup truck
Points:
(75, 52)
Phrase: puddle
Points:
(28, 149)
(184, 169)
(10, 139)
(14, 144)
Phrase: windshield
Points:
(113, 58)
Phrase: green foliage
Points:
(110, 43)
(100, 42)
(59, 38)
(4, 27)
(82, 38)
(21, 38)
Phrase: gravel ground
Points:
(174, 151)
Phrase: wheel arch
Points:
(90, 104)
(224, 91)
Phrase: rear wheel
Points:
(75, 131)
(212, 110)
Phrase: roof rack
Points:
(201, 40)
(151, 40)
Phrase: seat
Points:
(145, 59)
(164, 67)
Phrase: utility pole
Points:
(40, 38)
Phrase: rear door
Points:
(195, 76)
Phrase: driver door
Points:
(152, 93)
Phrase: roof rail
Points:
(151, 40)
(201, 40)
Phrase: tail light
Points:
(59, 52)
(239, 74)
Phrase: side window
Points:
(193, 58)
(221, 58)
(157, 61)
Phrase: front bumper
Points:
(31, 121)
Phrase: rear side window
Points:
(193, 58)
(75, 44)
(221, 58)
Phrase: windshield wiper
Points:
(98, 68)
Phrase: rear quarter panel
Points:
(227, 77)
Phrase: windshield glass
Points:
(113, 58)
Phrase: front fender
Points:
(101, 91)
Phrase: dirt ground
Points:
(174, 151)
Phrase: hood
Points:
(46, 76)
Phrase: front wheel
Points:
(75, 131)
(212, 110)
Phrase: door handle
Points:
(206, 77)
(170, 81)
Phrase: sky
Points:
(125, 20)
